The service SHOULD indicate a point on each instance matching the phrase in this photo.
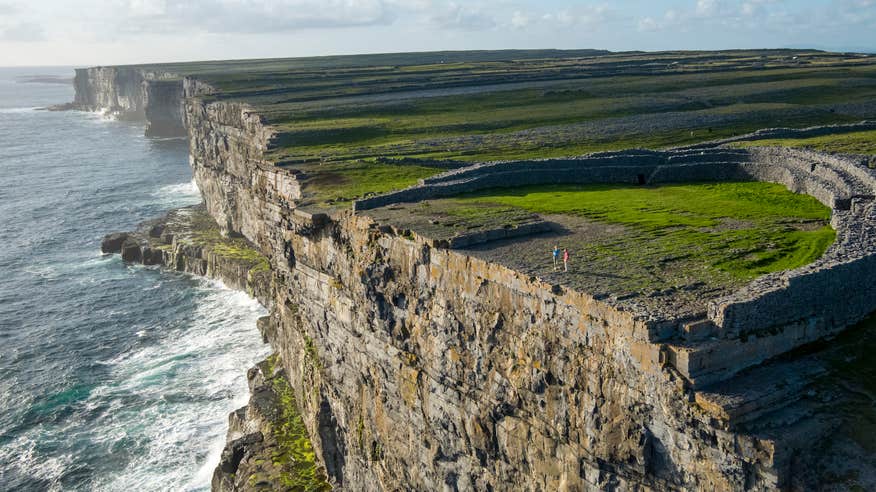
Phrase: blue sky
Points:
(91, 32)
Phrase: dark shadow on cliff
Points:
(333, 447)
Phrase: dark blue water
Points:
(112, 377)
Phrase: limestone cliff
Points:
(416, 366)
(135, 94)
(188, 240)
(423, 367)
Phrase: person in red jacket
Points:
(565, 260)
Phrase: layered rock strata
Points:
(416, 366)
(188, 240)
(783, 310)
(497, 378)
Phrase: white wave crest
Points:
(180, 194)
(18, 110)
(169, 397)
(187, 384)
(22, 454)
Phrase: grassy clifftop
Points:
(353, 124)
(672, 243)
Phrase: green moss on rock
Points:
(294, 454)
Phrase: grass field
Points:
(744, 229)
(295, 462)
(337, 116)
(670, 246)
(338, 184)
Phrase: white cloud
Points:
(464, 17)
(8, 9)
(777, 14)
(670, 19)
(519, 20)
(590, 16)
(648, 24)
(559, 19)
(147, 7)
(721, 14)
(249, 16)
(706, 7)
(126, 31)
(25, 32)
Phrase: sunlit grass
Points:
(744, 229)
(340, 183)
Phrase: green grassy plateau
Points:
(671, 247)
(359, 125)
(336, 116)
(743, 229)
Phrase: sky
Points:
(91, 32)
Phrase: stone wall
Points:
(811, 296)
(833, 180)
(783, 133)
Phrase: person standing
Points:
(565, 260)
(556, 256)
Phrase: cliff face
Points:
(424, 367)
(420, 367)
(111, 89)
(134, 94)
(227, 141)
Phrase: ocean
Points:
(112, 376)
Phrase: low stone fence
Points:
(781, 133)
(475, 238)
(827, 178)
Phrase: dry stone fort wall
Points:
(785, 309)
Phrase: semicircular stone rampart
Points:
(768, 316)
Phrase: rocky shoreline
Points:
(189, 240)
(266, 446)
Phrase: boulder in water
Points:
(112, 243)
(131, 250)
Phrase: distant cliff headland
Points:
(397, 214)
